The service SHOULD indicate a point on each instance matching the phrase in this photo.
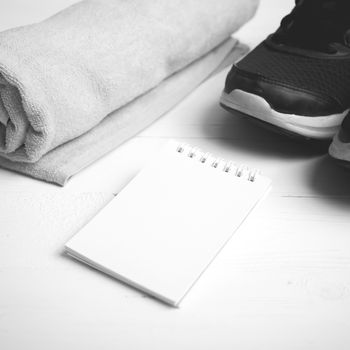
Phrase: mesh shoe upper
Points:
(304, 67)
(328, 77)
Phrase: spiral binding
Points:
(238, 170)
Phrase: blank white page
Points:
(164, 228)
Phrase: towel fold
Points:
(66, 160)
(61, 77)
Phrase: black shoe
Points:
(340, 146)
(298, 79)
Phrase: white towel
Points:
(64, 161)
(60, 78)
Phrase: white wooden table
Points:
(283, 281)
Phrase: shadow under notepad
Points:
(131, 290)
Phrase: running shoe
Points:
(298, 79)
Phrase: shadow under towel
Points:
(77, 85)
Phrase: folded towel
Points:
(61, 77)
(64, 161)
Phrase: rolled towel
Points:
(68, 159)
(61, 77)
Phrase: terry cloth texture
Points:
(62, 77)
(64, 161)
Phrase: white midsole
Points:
(320, 127)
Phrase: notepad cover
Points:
(166, 226)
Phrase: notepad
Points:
(161, 232)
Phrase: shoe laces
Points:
(316, 25)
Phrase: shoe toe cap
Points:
(282, 97)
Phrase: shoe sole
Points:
(316, 127)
